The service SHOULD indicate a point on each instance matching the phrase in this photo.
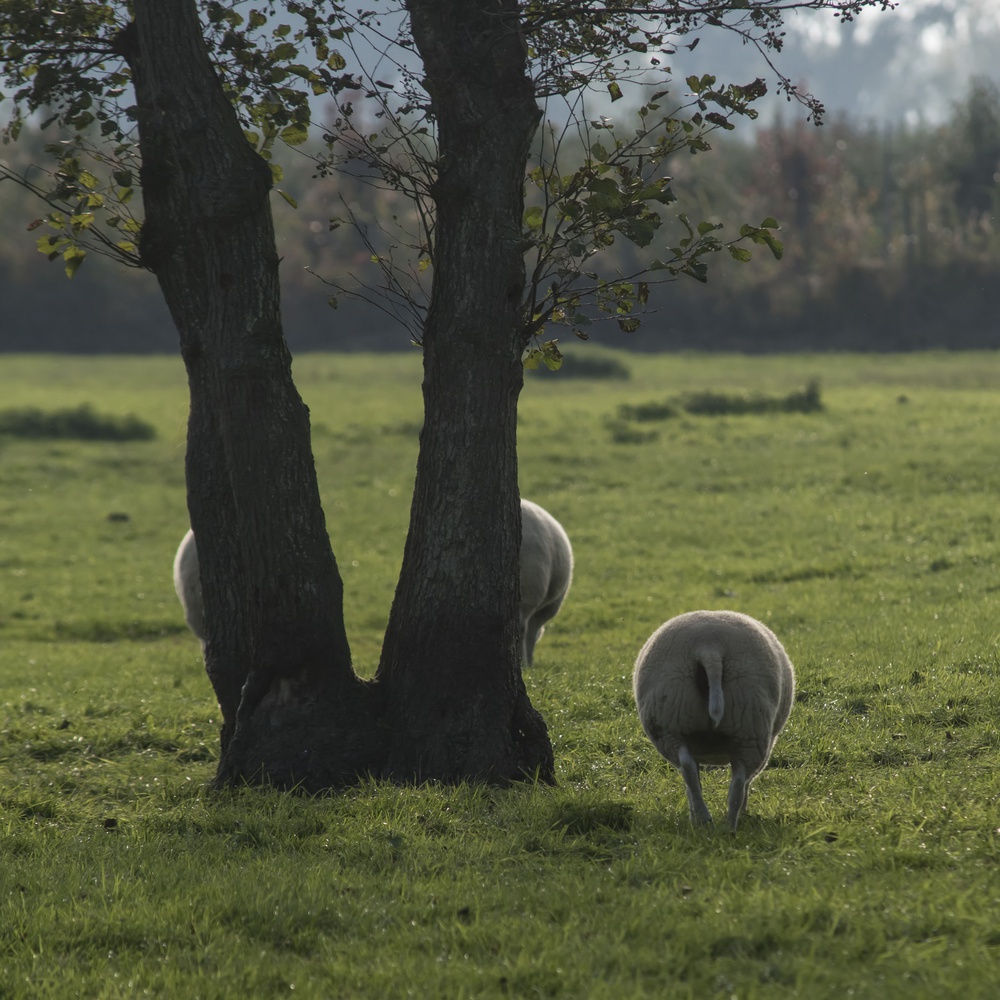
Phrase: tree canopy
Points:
(594, 177)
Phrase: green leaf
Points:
(598, 152)
(552, 356)
(640, 231)
(629, 324)
(615, 91)
(73, 257)
(294, 134)
(604, 196)
(533, 217)
(740, 254)
(291, 201)
(770, 223)
(547, 354)
(49, 244)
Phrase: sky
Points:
(909, 64)
(906, 65)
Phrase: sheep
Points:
(546, 571)
(714, 688)
(187, 584)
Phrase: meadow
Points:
(865, 535)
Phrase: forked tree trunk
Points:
(449, 702)
(457, 704)
(276, 651)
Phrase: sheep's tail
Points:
(711, 662)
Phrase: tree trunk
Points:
(448, 702)
(276, 649)
(457, 706)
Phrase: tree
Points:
(972, 156)
(448, 701)
(208, 237)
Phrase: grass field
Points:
(865, 535)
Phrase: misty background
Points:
(889, 213)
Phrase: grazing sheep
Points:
(714, 688)
(546, 572)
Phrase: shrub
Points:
(599, 367)
(714, 404)
(624, 433)
(81, 424)
(647, 411)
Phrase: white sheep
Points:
(546, 572)
(714, 688)
(187, 584)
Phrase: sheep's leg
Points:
(534, 629)
(739, 792)
(688, 766)
(527, 640)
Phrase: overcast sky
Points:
(910, 64)
(907, 64)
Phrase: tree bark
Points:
(456, 702)
(448, 702)
(276, 647)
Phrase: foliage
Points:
(865, 535)
(64, 66)
(79, 424)
(277, 58)
(68, 65)
(879, 252)
(620, 189)
(972, 157)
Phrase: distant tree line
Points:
(891, 235)
(892, 238)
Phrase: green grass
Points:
(865, 535)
